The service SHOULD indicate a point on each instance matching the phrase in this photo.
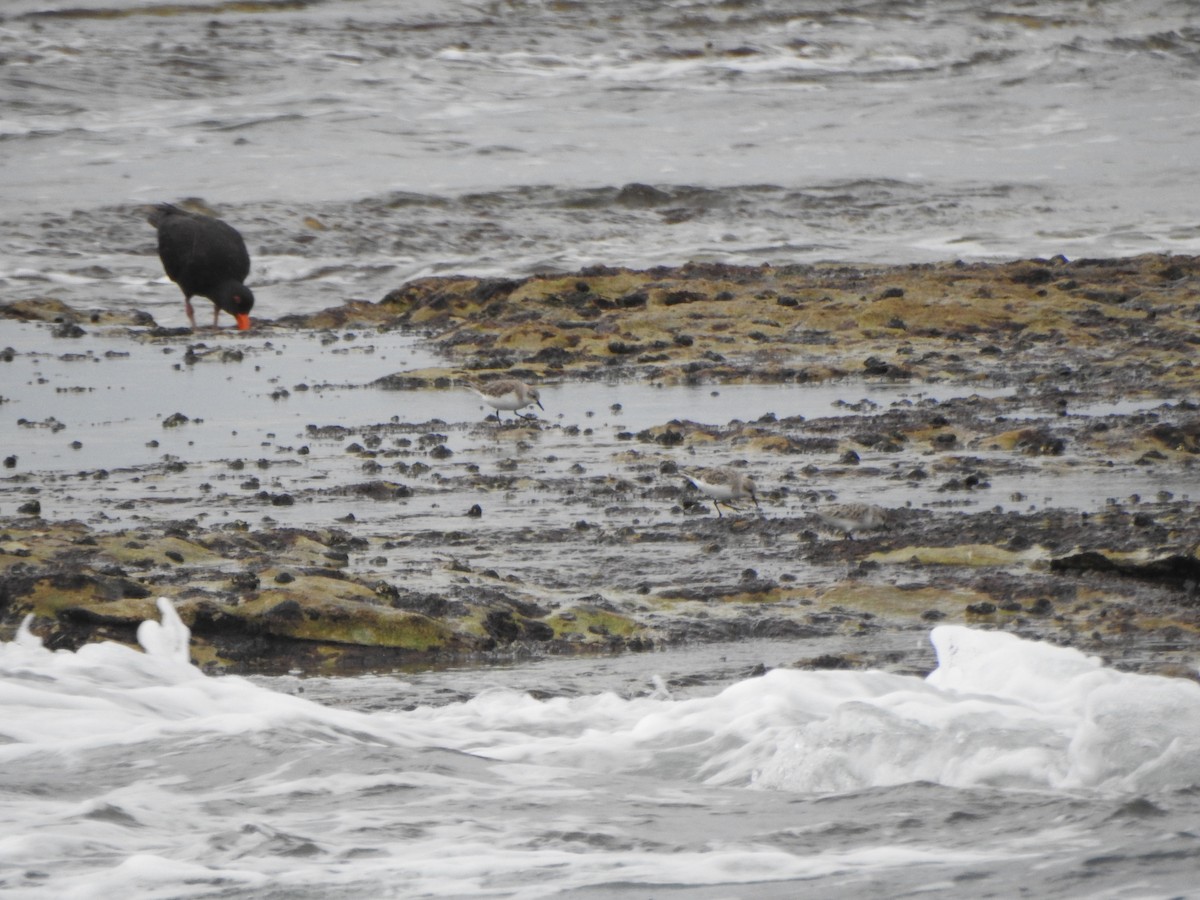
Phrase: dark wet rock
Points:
(286, 611)
(1040, 442)
(500, 624)
(494, 288)
(538, 631)
(377, 490)
(94, 617)
(39, 309)
(883, 443)
(436, 606)
(67, 330)
(877, 367)
(633, 300)
(175, 420)
(1181, 572)
(1019, 542)
(986, 608)
(641, 196)
(244, 581)
(1033, 274)
(827, 661)
(552, 357)
(1112, 297)
(674, 298)
(622, 348)
(30, 508)
(1183, 436)
(669, 438)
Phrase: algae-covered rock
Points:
(1031, 319)
(1058, 369)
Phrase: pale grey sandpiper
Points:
(851, 517)
(722, 484)
(507, 394)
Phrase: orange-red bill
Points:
(243, 321)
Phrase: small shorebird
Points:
(851, 517)
(507, 393)
(723, 484)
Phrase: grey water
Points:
(359, 143)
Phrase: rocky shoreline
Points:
(1084, 371)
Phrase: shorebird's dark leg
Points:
(717, 507)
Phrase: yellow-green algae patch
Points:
(590, 620)
(817, 321)
(316, 589)
(127, 549)
(891, 601)
(48, 600)
(960, 555)
(36, 541)
(345, 623)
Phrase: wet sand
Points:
(322, 494)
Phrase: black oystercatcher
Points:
(206, 258)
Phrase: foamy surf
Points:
(134, 772)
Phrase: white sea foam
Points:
(130, 771)
(997, 711)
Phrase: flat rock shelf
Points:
(1009, 445)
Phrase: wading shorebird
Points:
(851, 517)
(722, 484)
(205, 257)
(508, 394)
